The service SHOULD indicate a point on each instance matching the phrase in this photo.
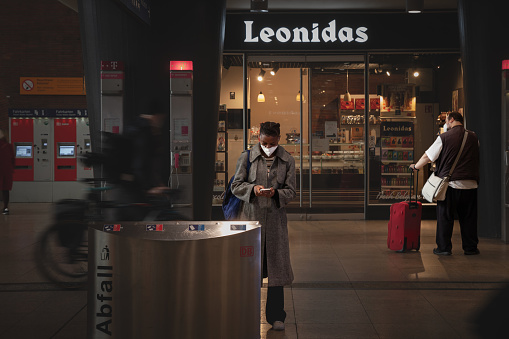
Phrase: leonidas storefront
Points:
(359, 96)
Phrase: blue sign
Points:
(48, 113)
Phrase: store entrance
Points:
(320, 106)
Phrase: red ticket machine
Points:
(65, 149)
(22, 139)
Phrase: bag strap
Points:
(459, 154)
(248, 162)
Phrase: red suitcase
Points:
(405, 224)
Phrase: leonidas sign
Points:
(340, 32)
(303, 34)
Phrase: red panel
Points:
(181, 65)
(65, 131)
(22, 130)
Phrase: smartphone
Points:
(264, 189)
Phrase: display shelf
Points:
(404, 174)
(396, 187)
(399, 148)
(397, 117)
(221, 161)
(397, 161)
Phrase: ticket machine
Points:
(83, 146)
(43, 149)
(65, 149)
(48, 143)
(22, 139)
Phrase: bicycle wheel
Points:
(62, 254)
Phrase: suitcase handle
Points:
(414, 205)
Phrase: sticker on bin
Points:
(197, 227)
(112, 228)
(237, 227)
(155, 227)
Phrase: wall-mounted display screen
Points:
(23, 151)
(66, 151)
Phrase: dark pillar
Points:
(483, 27)
(194, 30)
(179, 30)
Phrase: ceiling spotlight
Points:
(416, 74)
(274, 70)
(261, 74)
(259, 5)
(388, 73)
(414, 6)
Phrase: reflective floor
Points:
(347, 284)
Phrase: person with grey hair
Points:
(6, 170)
(461, 196)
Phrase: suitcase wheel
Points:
(404, 247)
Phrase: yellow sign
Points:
(51, 86)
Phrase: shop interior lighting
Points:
(259, 5)
(261, 97)
(414, 6)
(274, 70)
(388, 73)
(297, 98)
(261, 74)
(347, 96)
(416, 74)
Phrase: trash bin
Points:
(174, 279)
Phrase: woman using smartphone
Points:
(266, 190)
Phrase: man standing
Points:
(462, 192)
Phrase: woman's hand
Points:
(260, 191)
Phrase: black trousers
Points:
(274, 309)
(464, 202)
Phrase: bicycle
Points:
(62, 251)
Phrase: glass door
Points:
(278, 92)
(328, 143)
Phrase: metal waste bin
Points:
(179, 280)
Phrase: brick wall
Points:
(38, 38)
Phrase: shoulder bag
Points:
(435, 187)
(231, 204)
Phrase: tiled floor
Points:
(347, 284)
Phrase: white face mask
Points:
(268, 150)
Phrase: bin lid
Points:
(174, 230)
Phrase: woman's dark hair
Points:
(457, 117)
(270, 129)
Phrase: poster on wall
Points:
(347, 104)
(399, 100)
(331, 129)
(374, 103)
(359, 103)
(455, 101)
